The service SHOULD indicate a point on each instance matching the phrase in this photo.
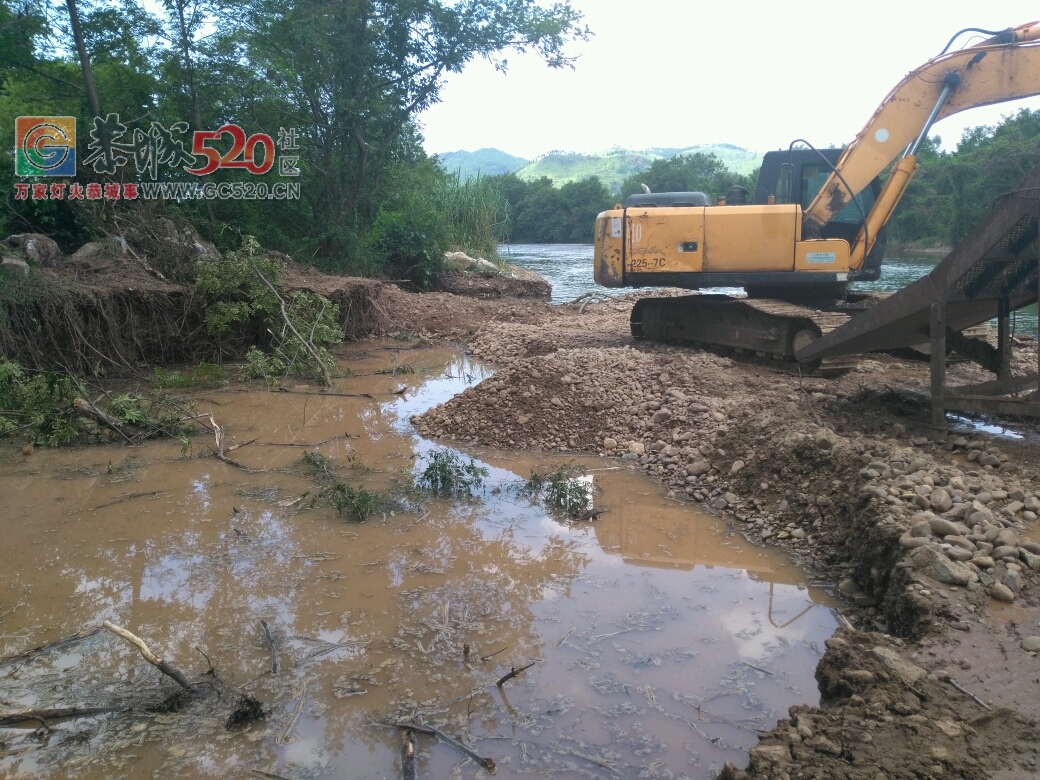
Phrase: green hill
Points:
(488, 162)
(614, 166)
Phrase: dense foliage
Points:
(541, 213)
(350, 77)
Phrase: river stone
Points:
(1030, 560)
(912, 542)
(698, 468)
(849, 587)
(861, 676)
(921, 529)
(763, 756)
(941, 568)
(942, 527)
(940, 500)
(1007, 536)
(959, 554)
(736, 467)
(662, 416)
(1013, 580)
(637, 447)
(799, 533)
(1013, 508)
(905, 670)
(609, 444)
(1032, 503)
(1031, 644)
(1001, 592)
(1032, 546)
(983, 561)
(1004, 552)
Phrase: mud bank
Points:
(934, 544)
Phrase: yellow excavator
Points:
(815, 223)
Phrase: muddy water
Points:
(661, 641)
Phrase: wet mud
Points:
(660, 641)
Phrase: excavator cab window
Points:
(784, 178)
(813, 178)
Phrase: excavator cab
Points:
(796, 176)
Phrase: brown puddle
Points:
(662, 641)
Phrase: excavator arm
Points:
(1001, 68)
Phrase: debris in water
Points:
(249, 710)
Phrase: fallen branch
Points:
(408, 755)
(486, 763)
(42, 716)
(270, 644)
(175, 674)
(83, 406)
(77, 637)
(757, 668)
(307, 345)
(970, 695)
(513, 673)
(127, 497)
(336, 394)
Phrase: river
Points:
(568, 268)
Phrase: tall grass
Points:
(476, 212)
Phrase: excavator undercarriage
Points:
(767, 329)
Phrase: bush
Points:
(447, 474)
(408, 244)
(40, 405)
(564, 489)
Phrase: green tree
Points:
(695, 172)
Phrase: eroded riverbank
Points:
(662, 641)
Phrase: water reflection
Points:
(660, 639)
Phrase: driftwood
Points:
(970, 695)
(175, 674)
(513, 673)
(218, 436)
(330, 393)
(127, 497)
(83, 406)
(408, 755)
(486, 763)
(43, 716)
(77, 637)
(270, 643)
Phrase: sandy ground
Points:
(933, 546)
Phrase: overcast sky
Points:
(682, 72)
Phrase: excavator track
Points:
(758, 328)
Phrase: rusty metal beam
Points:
(938, 361)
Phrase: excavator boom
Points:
(988, 73)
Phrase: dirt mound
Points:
(882, 715)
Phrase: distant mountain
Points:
(616, 165)
(487, 162)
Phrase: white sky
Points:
(681, 72)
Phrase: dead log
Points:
(43, 716)
(408, 755)
(174, 674)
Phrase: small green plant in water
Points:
(203, 375)
(356, 503)
(567, 489)
(447, 474)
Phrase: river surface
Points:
(661, 641)
(568, 268)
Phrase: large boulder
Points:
(35, 248)
(930, 562)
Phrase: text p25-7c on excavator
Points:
(816, 221)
